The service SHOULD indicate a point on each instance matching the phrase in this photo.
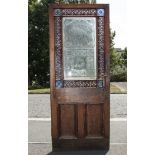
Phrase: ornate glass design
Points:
(81, 83)
(79, 48)
(100, 48)
(58, 48)
(78, 59)
(80, 12)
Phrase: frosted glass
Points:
(79, 48)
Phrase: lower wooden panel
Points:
(81, 126)
(80, 121)
(94, 120)
(67, 121)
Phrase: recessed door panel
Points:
(94, 121)
(67, 121)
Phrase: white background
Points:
(118, 18)
(14, 77)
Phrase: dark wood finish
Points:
(106, 107)
(81, 120)
(54, 117)
(70, 144)
(80, 116)
(79, 6)
(87, 95)
(67, 115)
(94, 121)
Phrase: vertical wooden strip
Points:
(76, 120)
(81, 121)
(102, 120)
(52, 75)
(86, 119)
(59, 119)
(107, 78)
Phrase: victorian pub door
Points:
(79, 75)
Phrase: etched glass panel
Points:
(79, 48)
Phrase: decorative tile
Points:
(100, 12)
(100, 83)
(59, 84)
(57, 12)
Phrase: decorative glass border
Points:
(99, 14)
(100, 48)
(58, 49)
(75, 12)
(80, 83)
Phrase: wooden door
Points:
(79, 75)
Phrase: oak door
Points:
(79, 75)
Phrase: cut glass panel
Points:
(79, 48)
